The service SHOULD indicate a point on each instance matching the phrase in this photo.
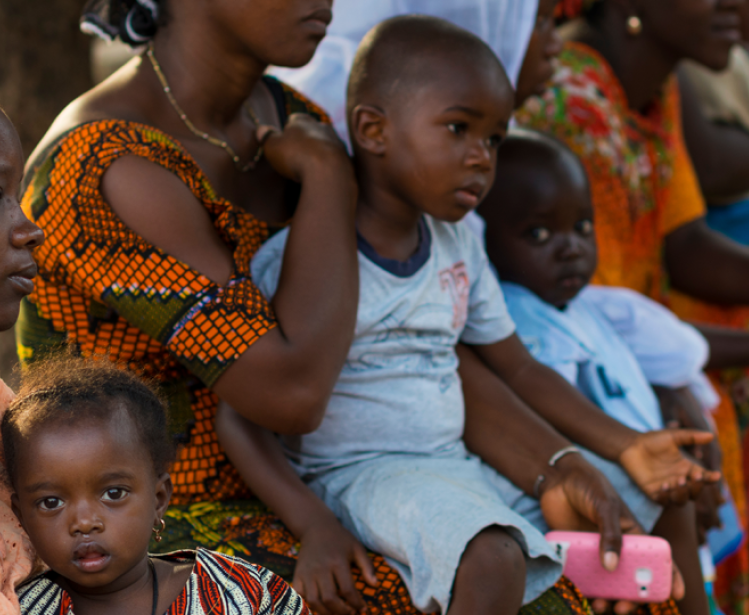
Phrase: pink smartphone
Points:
(644, 573)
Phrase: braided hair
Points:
(135, 22)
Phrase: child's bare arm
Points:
(728, 347)
(323, 571)
(518, 443)
(652, 459)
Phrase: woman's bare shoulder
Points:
(122, 96)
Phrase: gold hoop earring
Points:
(634, 25)
(157, 531)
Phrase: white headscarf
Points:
(505, 25)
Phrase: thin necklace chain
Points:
(199, 133)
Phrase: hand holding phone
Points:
(644, 573)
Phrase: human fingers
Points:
(691, 437)
(347, 589)
(297, 583)
(311, 594)
(708, 507)
(624, 607)
(364, 563)
(610, 545)
(675, 491)
(678, 587)
(329, 595)
(304, 145)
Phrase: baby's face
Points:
(442, 140)
(18, 235)
(550, 247)
(88, 497)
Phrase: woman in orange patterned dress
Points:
(614, 100)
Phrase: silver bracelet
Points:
(567, 450)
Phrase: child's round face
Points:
(88, 497)
(550, 247)
(18, 235)
(442, 141)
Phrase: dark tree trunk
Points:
(44, 64)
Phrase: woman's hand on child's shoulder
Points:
(304, 148)
(323, 574)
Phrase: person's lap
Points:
(421, 512)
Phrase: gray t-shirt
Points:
(399, 391)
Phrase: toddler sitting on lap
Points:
(428, 107)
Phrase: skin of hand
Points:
(680, 408)
(289, 152)
(576, 497)
(662, 471)
(323, 571)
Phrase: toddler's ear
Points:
(368, 129)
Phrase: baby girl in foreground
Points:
(86, 449)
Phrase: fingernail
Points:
(610, 561)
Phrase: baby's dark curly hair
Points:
(65, 389)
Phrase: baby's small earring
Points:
(157, 530)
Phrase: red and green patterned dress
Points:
(218, 585)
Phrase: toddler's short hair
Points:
(65, 389)
(390, 61)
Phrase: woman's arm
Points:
(728, 347)
(283, 381)
(707, 265)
